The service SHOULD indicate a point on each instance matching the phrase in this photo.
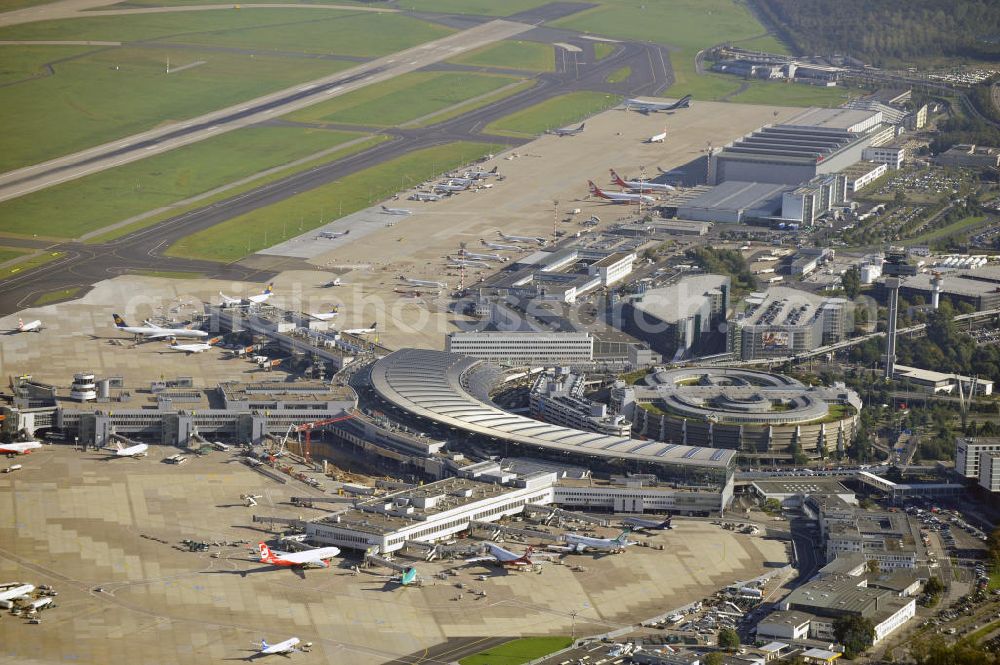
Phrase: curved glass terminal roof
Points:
(432, 385)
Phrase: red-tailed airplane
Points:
(319, 557)
(22, 448)
(508, 559)
(619, 197)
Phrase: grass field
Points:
(472, 104)
(620, 75)
(603, 50)
(403, 98)
(8, 253)
(556, 112)
(528, 56)
(481, 7)
(18, 63)
(517, 652)
(90, 102)
(29, 264)
(240, 189)
(960, 226)
(56, 296)
(243, 235)
(793, 94)
(128, 190)
(298, 30)
(767, 43)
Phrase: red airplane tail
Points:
(618, 179)
(594, 189)
(265, 553)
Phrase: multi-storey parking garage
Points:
(452, 392)
(764, 416)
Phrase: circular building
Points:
(766, 417)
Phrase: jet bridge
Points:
(533, 509)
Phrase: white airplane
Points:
(138, 450)
(361, 331)
(464, 263)
(281, 648)
(424, 282)
(425, 196)
(451, 186)
(619, 197)
(250, 500)
(641, 185)
(506, 558)
(657, 138)
(484, 257)
(324, 316)
(567, 131)
(652, 107)
(152, 331)
(333, 282)
(614, 545)
(30, 326)
(333, 235)
(250, 300)
(21, 448)
(540, 241)
(482, 175)
(316, 558)
(194, 347)
(496, 245)
(396, 211)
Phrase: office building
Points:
(524, 348)
(969, 156)
(862, 174)
(989, 471)
(968, 451)
(557, 397)
(891, 156)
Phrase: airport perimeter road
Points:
(85, 265)
(122, 151)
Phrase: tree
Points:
(856, 633)
(938, 652)
(934, 585)
(729, 639)
(873, 566)
(714, 658)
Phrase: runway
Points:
(84, 265)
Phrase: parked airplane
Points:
(657, 138)
(194, 347)
(425, 196)
(483, 175)
(464, 263)
(21, 448)
(151, 331)
(396, 211)
(638, 524)
(282, 648)
(484, 257)
(652, 107)
(451, 186)
(496, 245)
(333, 282)
(582, 543)
(641, 185)
(567, 131)
(30, 326)
(408, 577)
(333, 235)
(138, 450)
(361, 331)
(619, 197)
(250, 300)
(325, 316)
(424, 282)
(505, 557)
(540, 241)
(317, 558)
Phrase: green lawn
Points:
(150, 183)
(472, 104)
(403, 98)
(56, 296)
(18, 63)
(767, 43)
(603, 50)
(793, 94)
(240, 236)
(556, 112)
(11, 5)
(480, 7)
(945, 231)
(620, 75)
(8, 253)
(28, 264)
(517, 652)
(994, 580)
(302, 30)
(118, 92)
(234, 191)
(528, 56)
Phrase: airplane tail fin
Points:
(269, 289)
(20, 324)
(617, 178)
(594, 189)
(264, 645)
(623, 536)
(119, 321)
(265, 552)
(118, 445)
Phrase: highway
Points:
(84, 264)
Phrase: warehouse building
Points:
(980, 288)
(679, 320)
(516, 348)
(734, 201)
(561, 275)
(969, 156)
(817, 142)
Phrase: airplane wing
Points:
(159, 334)
(227, 300)
(481, 559)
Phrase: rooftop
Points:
(680, 300)
(737, 195)
(830, 118)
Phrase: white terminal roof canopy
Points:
(431, 384)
